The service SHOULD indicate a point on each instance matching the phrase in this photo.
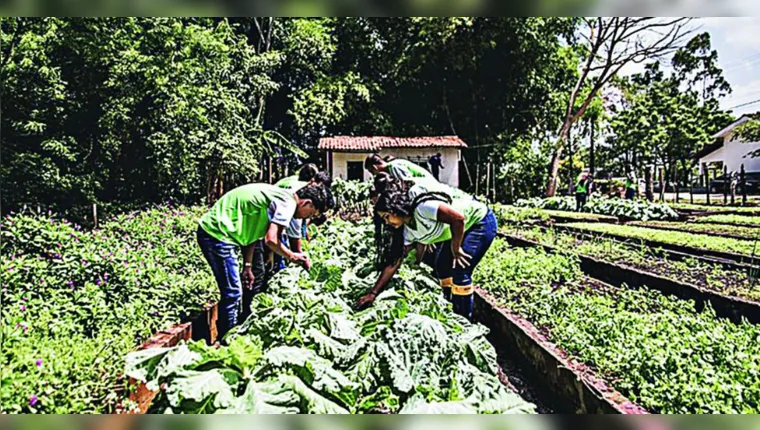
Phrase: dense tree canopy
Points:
(134, 110)
(146, 109)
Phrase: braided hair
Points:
(394, 198)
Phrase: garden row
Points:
(728, 248)
(689, 270)
(304, 349)
(657, 350)
(74, 302)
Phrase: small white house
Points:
(731, 152)
(346, 154)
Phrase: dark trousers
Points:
(580, 201)
(457, 282)
(630, 193)
(223, 259)
(435, 173)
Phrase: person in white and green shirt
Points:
(463, 227)
(396, 167)
(239, 219)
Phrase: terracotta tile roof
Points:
(376, 143)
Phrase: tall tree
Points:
(609, 44)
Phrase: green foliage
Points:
(352, 197)
(630, 209)
(738, 246)
(739, 220)
(696, 272)
(79, 300)
(656, 350)
(129, 109)
(409, 352)
(746, 232)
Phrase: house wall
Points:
(448, 175)
(733, 154)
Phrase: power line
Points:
(745, 104)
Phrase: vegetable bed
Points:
(75, 302)
(656, 350)
(697, 242)
(732, 231)
(304, 349)
(744, 210)
(740, 220)
(626, 209)
(702, 274)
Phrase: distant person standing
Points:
(436, 165)
(582, 189)
(631, 184)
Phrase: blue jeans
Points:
(457, 282)
(223, 259)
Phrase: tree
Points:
(666, 119)
(609, 44)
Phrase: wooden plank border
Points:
(571, 386)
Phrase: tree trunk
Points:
(662, 183)
(592, 166)
(649, 178)
(551, 185)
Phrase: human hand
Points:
(302, 260)
(460, 257)
(365, 301)
(248, 278)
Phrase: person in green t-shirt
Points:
(631, 183)
(463, 226)
(396, 167)
(582, 190)
(239, 219)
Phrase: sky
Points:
(737, 40)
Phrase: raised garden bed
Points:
(695, 244)
(734, 308)
(571, 386)
(709, 229)
(738, 220)
(654, 349)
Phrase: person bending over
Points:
(238, 219)
(463, 228)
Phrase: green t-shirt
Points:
(291, 183)
(426, 229)
(242, 215)
(405, 169)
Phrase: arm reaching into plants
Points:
(273, 242)
(455, 219)
(385, 277)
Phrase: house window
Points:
(355, 170)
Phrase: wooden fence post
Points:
(743, 182)
(691, 187)
(95, 214)
(677, 187)
(725, 185)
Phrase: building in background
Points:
(730, 152)
(345, 154)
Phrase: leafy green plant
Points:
(740, 220)
(313, 353)
(704, 227)
(631, 209)
(657, 350)
(75, 301)
(693, 240)
(696, 272)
